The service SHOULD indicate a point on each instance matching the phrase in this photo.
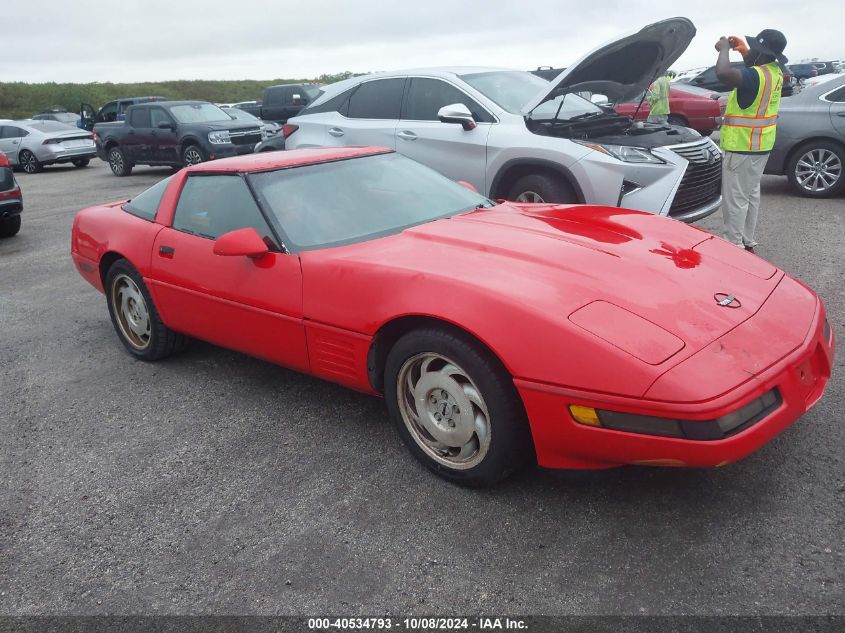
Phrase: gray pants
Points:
(741, 175)
(658, 118)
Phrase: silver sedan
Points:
(810, 145)
(31, 145)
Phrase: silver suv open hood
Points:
(625, 66)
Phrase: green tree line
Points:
(20, 100)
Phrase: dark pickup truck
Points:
(280, 103)
(112, 111)
(173, 133)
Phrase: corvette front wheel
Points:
(135, 317)
(456, 407)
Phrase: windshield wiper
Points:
(586, 115)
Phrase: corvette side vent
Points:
(333, 355)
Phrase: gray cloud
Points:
(85, 40)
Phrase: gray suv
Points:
(517, 136)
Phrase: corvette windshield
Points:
(356, 199)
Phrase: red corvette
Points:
(579, 336)
(691, 106)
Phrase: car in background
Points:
(279, 103)
(803, 71)
(708, 79)
(810, 144)
(499, 334)
(268, 128)
(272, 144)
(690, 106)
(173, 133)
(30, 145)
(516, 136)
(62, 116)
(112, 111)
(825, 68)
(11, 200)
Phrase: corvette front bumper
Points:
(800, 378)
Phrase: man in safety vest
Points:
(748, 128)
(658, 99)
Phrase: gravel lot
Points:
(216, 483)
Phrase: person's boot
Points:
(750, 249)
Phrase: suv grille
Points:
(245, 137)
(702, 181)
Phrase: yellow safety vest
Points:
(753, 129)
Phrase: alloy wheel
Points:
(29, 162)
(192, 156)
(116, 161)
(443, 410)
(818, 170)
(130, 309)
(530, 196)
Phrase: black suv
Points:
(11, 200)
(173, 133)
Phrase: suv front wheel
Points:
(538, 188)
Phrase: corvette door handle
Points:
(336, 131)
(408, 136)
(166, 251)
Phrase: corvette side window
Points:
(210, 206)
(145, 204)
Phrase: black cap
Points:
(769, 41)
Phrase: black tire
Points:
(158, 341)
(80, 162)
(677, 119)
(542, 188)
(10, 226)
(193, 155)
(509, 447)
(120, 167)
(29, 163)
(815, 152)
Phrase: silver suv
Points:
(517, 136)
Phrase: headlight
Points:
(625, 153)
(219, 138)
(717, 429)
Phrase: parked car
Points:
(11, 200)
(62, 116)
(691, 106)
(810, 145)
(825, 68)
(579, 336)
(30, 145)
(274, 143)
(803, 71)
(173, 133)
(708, 79)
(268, 128)
(112, 111)
(279, 103)
(514, 135)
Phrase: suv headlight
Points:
(625, 153)
(219, 138)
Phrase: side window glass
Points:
(274, 96)
(427, 96)
(837, 97)
(210, 206)
(108, 113)
(379, 99)
(158, 115)
(145, 204)
(139, 117)
(335, 104)
(10, 131)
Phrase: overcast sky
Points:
(148, 40)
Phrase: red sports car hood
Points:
(555, 260)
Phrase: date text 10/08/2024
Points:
(417, 624)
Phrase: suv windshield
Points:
(566, 107)
(198, 113)
(352, 200)
(510, 89)
(240, 115)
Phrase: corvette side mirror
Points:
(457, 113)
(241, 243)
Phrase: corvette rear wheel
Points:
(456, 407)
(135, 317)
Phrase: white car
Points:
(32, 144)
(514, 135)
